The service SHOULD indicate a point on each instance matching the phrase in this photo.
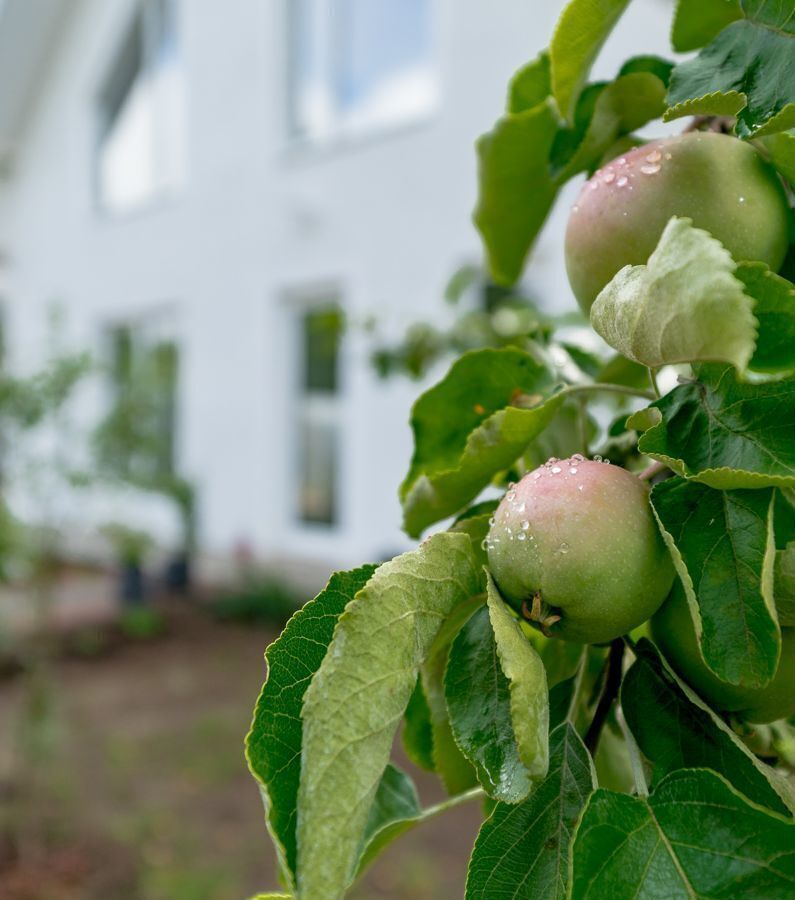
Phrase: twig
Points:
(655, 386)
(607, 388)
(609, 694)
(654, 469)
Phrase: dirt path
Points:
(148, 797)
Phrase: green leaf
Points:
(478, 701)
(466, 431)
(697, 22)
(530, 86)
(684, 733)
(560, 698)
(522, 851)
(582, 29)
(516, 191)
(654, 65)
(784, 585)
(721, 432)
(449, 762)
(395, 805)
(273, 745)
(781, 148)
(746, 71)
(355, 701)
(492, 691)
(723, 549)
(684, 305)
(694, 837)
(528, 685)
(417, 733)
(619, 108)
(774, 308)
(400, 825)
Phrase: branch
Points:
(609, 693)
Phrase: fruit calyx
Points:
(540, 614)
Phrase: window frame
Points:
(146, 15)
(339, 134)
(323, 406)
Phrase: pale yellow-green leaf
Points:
(357, 698)
(684, 305)
(527, 679)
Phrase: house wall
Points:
(263, 223)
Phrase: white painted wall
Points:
(385, 219)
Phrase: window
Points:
(358, 65)
(141, 128)
(318, 410)
(136, 440)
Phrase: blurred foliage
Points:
(129, 544)
(264, 600)
(487, 315)
(134, 443)
(141, 623)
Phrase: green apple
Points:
(674, 633)
(718, 181)
(575, 546)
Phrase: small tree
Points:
(589, 651)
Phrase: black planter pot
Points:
(131, 585)
(177, 576)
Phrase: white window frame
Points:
(340, 131)
(147, 11)
(324, 408)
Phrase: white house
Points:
(225, 176)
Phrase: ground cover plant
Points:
(595, 637)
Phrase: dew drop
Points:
(573, 470)
(485, 545)
(597, 457)
(524, 525)
(564, 547)
(491, 520)
(654, 156)
(551, 461)
(742, 199)
(622, 181)
(650, 170)
(622, 161)
(555, 470)
(521, 536)
(593, 185)
(609, 176)
(521, 508)
(579, 487)
(577, 457)
(511, 495)
(536, 476)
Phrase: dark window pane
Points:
(322, 333)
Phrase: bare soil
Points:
(142, 791)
